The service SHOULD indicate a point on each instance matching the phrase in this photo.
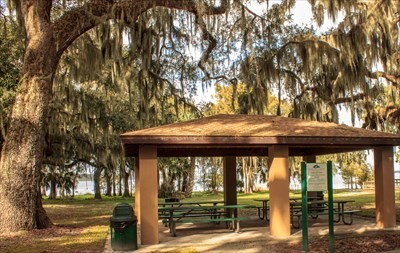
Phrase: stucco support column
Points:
(384, 187)
(279, 190)
(148, 195)
(230, 193)
(137, 189)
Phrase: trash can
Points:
(123, 228)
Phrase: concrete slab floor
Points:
(253, 236)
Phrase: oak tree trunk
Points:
(22, 151)
(53, 188)
(126, 183)
(75, 183)
(120, 183)
(107, 176)
(190, 183)
(96, 179)
(114, 189)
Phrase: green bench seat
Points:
(312, 214)
(231, 222)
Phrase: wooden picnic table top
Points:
(336, 201)
(195, 207)
(262, 200)
(294, 199)
(198, 203)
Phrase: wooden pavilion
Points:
(229, 136)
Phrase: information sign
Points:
(317, 177)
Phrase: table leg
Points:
(291, 215)
(266, 211)
(261, 212)
(341, 211)
(237, 229)
(171, 224)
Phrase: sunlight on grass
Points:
(92, 234)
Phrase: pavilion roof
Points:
(226, 134)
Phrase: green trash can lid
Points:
(123, 210)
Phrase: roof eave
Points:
(251, 140)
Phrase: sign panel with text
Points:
(317, 177)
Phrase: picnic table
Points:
(263, 210)
(171, 215)
(320, 207)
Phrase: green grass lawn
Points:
(82, 224)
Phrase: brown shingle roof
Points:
(253, 133)
(256, 126)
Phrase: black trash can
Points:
(123, 228)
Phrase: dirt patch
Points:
(366, 243)
(372, 243)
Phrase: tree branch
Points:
(336, 101)
(250, 11)
(212, 43)
(394, 79)
(79, 20)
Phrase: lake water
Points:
(84, 187)
(87, 187)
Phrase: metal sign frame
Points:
(304, 207)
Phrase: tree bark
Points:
(62, 189)
(42, 219)
(114, 189)
(120, 183)
(22, 152)
(190, 182)
(126, 182)
(164, 183)
(108, 183)
(184, 182)
(96, 181)
(53, 184)
(75, 182)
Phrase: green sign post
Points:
(316, 177)
(304, 223)
(330, 207)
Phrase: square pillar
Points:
(384, 187)
(137, 189)
(279, 190)
(229, 181)
(148, 195)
